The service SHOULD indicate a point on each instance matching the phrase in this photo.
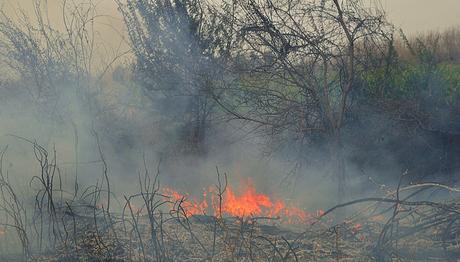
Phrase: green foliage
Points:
(450, 76)
(411, 81)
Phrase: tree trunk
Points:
(339, 169)
(197, 127)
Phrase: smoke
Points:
(131, 126)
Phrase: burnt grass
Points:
(415, 233)
(382, 230)
(93, 224)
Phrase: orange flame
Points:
(190, 205)
(249, 203)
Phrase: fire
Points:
(190, 205)
(249, 203)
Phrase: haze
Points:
(413, 16)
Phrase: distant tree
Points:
(179, 46)
(416, 88)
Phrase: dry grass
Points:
(149, 226)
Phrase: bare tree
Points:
(47, 60)
(297, 63)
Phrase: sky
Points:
(418, 16)
(413, 16)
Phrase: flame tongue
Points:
(248, 203)
(190, 205)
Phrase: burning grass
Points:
(247, 203)
(161, 224)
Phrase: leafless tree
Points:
(297, 63)
(46, 59)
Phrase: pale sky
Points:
(415, 16)
(411, 15)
